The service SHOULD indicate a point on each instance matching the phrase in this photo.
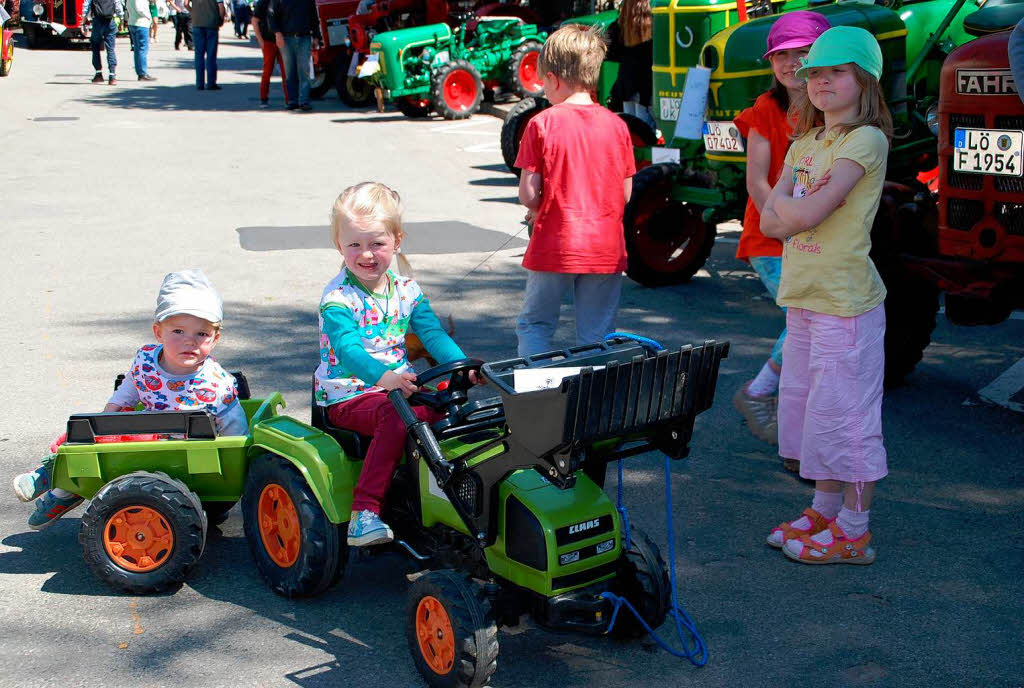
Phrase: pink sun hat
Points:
(795, 30)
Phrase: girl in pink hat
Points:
(768, 128)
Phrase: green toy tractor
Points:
(437, 68)
(500, 504)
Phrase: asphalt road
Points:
(105, 189)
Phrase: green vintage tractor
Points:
(671, 221)
(437, 68)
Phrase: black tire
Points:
(667, 241)
(321, 83)
(352, 90)
(179, 513)
(515, 82)
(217, 512)
(905, 223)
(413, 107)
(642, 134)
(322, 550)
(643, 580)
(472, 623)
(456, 90)
(514, 125)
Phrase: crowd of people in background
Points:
(287, 31)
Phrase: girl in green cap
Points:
(830, 395)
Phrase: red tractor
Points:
(46, 20)
(972, 248)
(348, 32)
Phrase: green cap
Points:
(842, 44)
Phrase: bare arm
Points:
(530, 190)
(627, 189)
(796, 215)
(759, 156)
(771, 224)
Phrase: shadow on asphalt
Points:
(422, 238)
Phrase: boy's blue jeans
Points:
(769, 269)
(596, 299)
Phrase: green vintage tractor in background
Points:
(437, 68)
(671, 220)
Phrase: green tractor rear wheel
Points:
(668, 241)
(143, 533)
(643, 581)
(523, 74)
(456, 90)
(297, 550)
(451, 630)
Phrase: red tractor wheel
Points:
(515, 125)
(667, 241)
(523, 72)
(457, 90)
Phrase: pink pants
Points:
(830, 395)
(374, 415)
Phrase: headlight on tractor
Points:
(932, 118)
(38, 9)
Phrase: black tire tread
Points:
(472, 621)
(512, 79)
(644, 581)
(510, 127)
(159, 491)
(322, 556)
(436, 88)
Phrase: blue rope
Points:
(624, 515)
(648, 343)
(694, 648)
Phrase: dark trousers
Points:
(182, 29)
(374, 415)
(205, 42)
(104, 34)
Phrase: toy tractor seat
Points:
(241, 384)
(352, 443)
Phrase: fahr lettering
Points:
(586, 525)
(985, 82)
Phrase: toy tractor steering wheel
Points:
(447, 400)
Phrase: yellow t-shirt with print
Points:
(826, 269)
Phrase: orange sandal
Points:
(841, 550)
(785, 531)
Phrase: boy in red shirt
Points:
(577, 163)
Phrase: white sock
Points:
(827, 503)
(765, 384)
(853, 523)
(62, 494)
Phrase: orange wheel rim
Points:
(435, 636)
(279, 525)
(138, 539)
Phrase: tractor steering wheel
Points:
(455, 394)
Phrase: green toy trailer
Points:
(439, 68)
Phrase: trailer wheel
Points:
(296, 549)
(643, 581)
(523, 75)
(143, 533)
(322, 83)
(451, 631)
(413, 107)
(514, 126)
(667, 241)
(456, 89)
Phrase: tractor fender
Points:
(317, 456)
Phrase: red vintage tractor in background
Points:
(348, 27)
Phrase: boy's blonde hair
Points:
(873, 111)
(574, 54)
(368, 202)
